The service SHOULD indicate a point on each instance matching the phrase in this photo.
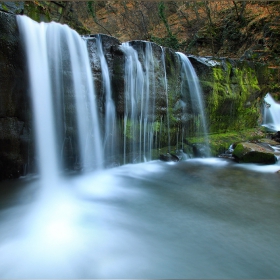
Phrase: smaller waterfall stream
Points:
(148, 104)
(189, 76)
(166, 93)
(271, 113)
(139, 103)
(110, 136)
(134, 87)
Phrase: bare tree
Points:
(92, 10)
(239, 11)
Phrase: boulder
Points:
(246, 152)
(169, 157)
(276, 137)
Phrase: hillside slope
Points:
(236, 29)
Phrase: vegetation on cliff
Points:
(247, 30)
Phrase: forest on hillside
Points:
(236, 29)
(216, 28)
(247, 30)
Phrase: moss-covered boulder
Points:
(246, 152)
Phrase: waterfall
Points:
(271, 113)
(110, 136)
(66, 121)
(190, 82)
(166, 94)
(139, 104)
(63, 97)
(134, 82)
(148, 104)
(35, 40)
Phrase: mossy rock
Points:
(271, 142)
(252, 153)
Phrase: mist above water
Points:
(194, 219)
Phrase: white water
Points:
(134, 87)
(58, 56)
(195, 219)
(36, 41)
(139, 103)
(110, 137)
(271, 114)
(148, 104)
(166, 94)
(188, 74)
(88, 123)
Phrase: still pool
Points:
(201, 218)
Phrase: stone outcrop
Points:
(246, 152)
(276, 137)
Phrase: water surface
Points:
(194, 219)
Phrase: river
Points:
(200, 218)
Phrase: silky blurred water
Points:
(202, 218)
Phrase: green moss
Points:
(38, 11)
(4, 7)
(220, 142)
(251, 153)
(238, 151)
(232, 104)
(258, 157)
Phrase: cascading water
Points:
(139, 104)
(63, 99)
(148, 104)
(144, 128)
(35, 39)
(73, 128)
(110, 136)
(166, 93)
(271, 113)
(190, 80)
(134, 81)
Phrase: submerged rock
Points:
(246, 152)
(228, 153)
(276, 137)
(169, 157)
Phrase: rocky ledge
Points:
(259, 152)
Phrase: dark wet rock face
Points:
(14, 102)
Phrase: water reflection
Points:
(195, 219)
